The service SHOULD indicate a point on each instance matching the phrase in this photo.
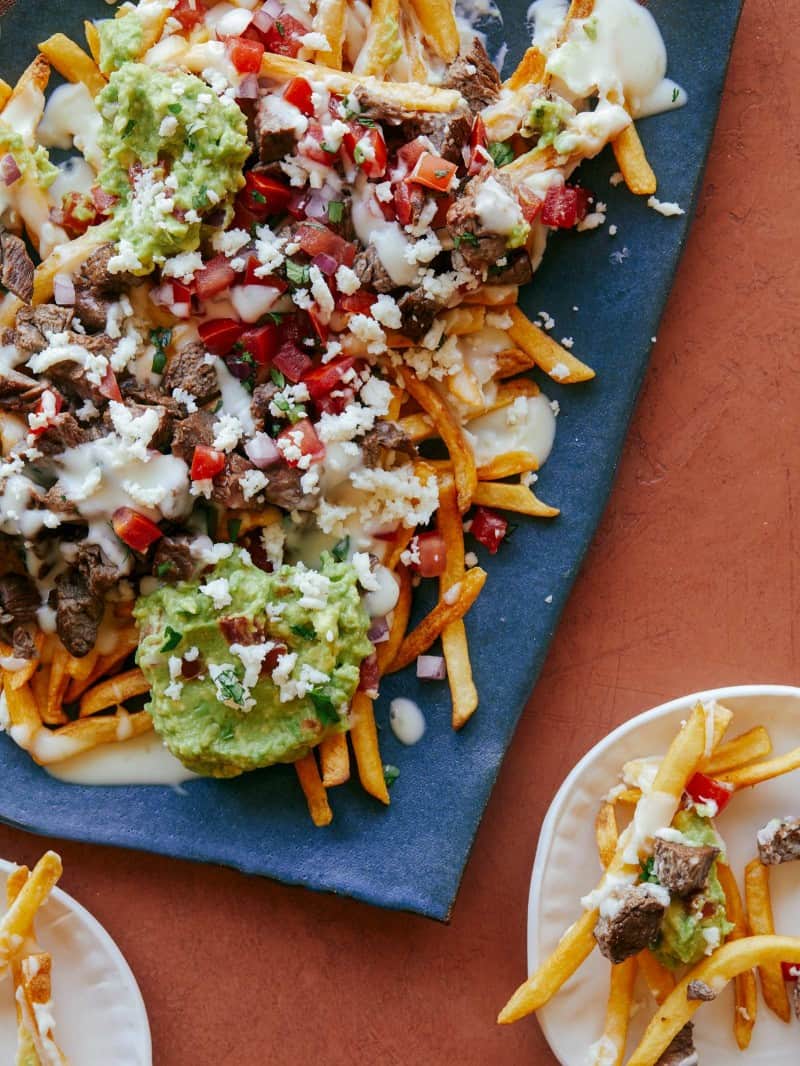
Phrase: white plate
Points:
(100, 1014)
(567, 867)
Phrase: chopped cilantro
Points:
(172, 639)
(165, 568)
(675, 94)
(335, 211)
(501, 153)
(277, 377)
(365, 120)
(234, 526)
(259, 197)
(296, 273)
(304, 632)
(440, 173)
(160, 339)
(327, 148)
(465, 238)
(340, 549)
(275, 316)
(159, 362)
(280, 28)
(324, 706)
(201, 199)
(174, 108)
(227, 732)
(390, 774)
(230, 687)
(648, 873)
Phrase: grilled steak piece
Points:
(23, 643)
(475, 248)
(283, 489)
(172, 560)
(517, 271)
(273, 140)
(62, 432)
(33, 323)
(386, 436)
(78, 613)
(418, 309)
(188, 370)
(448, 132)
(18, 392)
(151, 396)
(71, 377)
(681, 1052)
(700, 990)
(779, 841)
(371, 272)
(227, 484)
(94, 272)
(191, 431)
(633, 925)
(682, 868)
(16, 266)
(92, 308)
(259, 405)
(19, 601)
(99, 575)
(475, 77)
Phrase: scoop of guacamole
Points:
(682, 942)
(247, 668)
(121, 40)
(173, 150)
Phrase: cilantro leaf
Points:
(501, 153)
(390, 774)
(172, 639)
(335, 211)
(296, 273)
(340, 549)
(324, 706)
(304, 632)
(277, 377)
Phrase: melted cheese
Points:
(527, 425)
(72, 118)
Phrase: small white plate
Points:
(567, 867)
(100, 1014)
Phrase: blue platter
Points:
(411, 855)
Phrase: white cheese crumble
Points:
(366, 579)
(347, 280)
(666, 208)
(228, 432)
(219, 592)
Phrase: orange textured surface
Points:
(690, 583)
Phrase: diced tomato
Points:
(478, 146)
(220, 334)
(322, 380)
(488, 528)
(432, 554)
(182, 293)
(357, 303)
(334, 405)
(790, 971)
(206, 463)
(304, 436)
(291, 361)
(284, 37)
(367, 148)
(320, 327)
(50, 403)
(477, 137)
(443, 205)
(134, 529)
(314, 239)
(261, 342)
(564, 206)
(189, 13)
(271, 280)
(408, 202)
(530, 204)
(433, 172)
(245, 54)
(108, 386)
(76, 214)
(103, 201)
(409, 155)
(704, 789)
(296, 328)
(244, 219)
(298, 92)
(216, 276)
(264, 195)
(311, 145)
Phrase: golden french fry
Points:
(630, 795)
(79, 669)
(401, 540)
(40, 683)
(25, 673)
(548, 354)
(53, 712)
(455, 605)
(493, 296)
(314, 790)
(508, 391)
(731, 959)
(760, 923)
(506, 465)
(383, 45)
(127, 641)
(364, 738)
(450, 431)
(34, 992)
(632, 162)
(754, 744)
(460, 321)
(618, 1011)
(65, 259)
(17, 920)
(417, 427)
(25, 105)
(512, 361)
(605, 828)
(114, 690)
(437, 18)
(530, 69)
(87, 733)
(22, 711)
(517, 498)
(745, 997)
(329, 20)
(16, 879)
(580, 9)
(387, 651)
(463, 693)
(92, 39)
(396, 403)
(746, 776)
(5, 93)
(413, 46)
(657, 977)
(466, 388)
(72, 63)
(335, 760)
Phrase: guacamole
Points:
(248, 668)
(173, 150)
(547, 118)
(33, 163)
(121, 41)
(682, 941)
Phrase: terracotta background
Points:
(690, 583)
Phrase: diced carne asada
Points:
(259, 405)
(92, 307)
(228, 484)
(63, 431)
(418, 310)
(172, 559)
(94, 272)
(633, 924)
(97, 572)
(682, 868)
(475, 248)
(18, 392)
(23, 644)
(162, 434)
(517, 270)
(78, 613)
(779, 841)
(16, 266)
(284, 490)
(56, 500)
(475, 77)
(681, 1052)
(386, 436)
(188, 370)
(151, 396)
(273, 140)
(448, 132)
(33, 323)
(371, 272)
(19, 601)
(700, 990)
(198, 428)
(71, 377)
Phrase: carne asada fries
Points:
(286, 256)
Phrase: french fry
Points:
(460, 321)
(747, 776)
(761, 923)
(5, 93)
(22, 712)
(17, 920)
(396, 402)
(401, 540)
(413, 46)
(80, 669)
(383, 36)
(438, 23)
(545, 352)
(34, 993)
(417, 427)
(53, 711)
(65, 259)
(114, 690)
(335, 760)
(387, 651)
(463, 693)
(450, 431)
(754, 744)
(579, 9)
(506, 465)
(657, 977)
(466, 388)
(25, 673)
(512, 361)
(493, 296)
(745, 997)
(455, 605)
(530, 69)
(364, 738)
(127, 641)
(630, 795)
(314, 790)
(517, 498)
(92, 39)
(605, 828)
(632, 162)
(9, 306)
(88, 733)
(618, 1012)
(72, 63)
(25, 105)
(40, 682)
(731, 959)
(329, 20)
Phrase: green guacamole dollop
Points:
(216, 723)
(121, 41)
(34, 163)
(681, 942)
(173, 149)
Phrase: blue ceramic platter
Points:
(411, 855)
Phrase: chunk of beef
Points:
(227, 484)
(259, 405)
(273, 139)
(188, 370)
(632, 924)
(682, 868)
(19, 601)
(172, 559)
(284, 490)
(94, 272)
(18, 392)
(78, 613)
(92, 308)
(475, 248)
(33, 323)
(94, 568)
(55, 499)
(700, 990)
(418, 310)
(475, 76)
(151, 396)
(371, 272)
(517, 270)
(71, 377)
(448, 131)
(681, 1052)
(779, 841)
(62, 432)
(23, 643)
(386, 436)
(16, 266)
(162, 434)
(198, 428)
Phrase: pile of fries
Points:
(30, 968)
(751, 945)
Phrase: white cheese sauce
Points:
(527, 425)
(139, 761)
(407, 720)
(71, 118)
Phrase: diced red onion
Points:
(273, 8)
(379, 630)
(9, 169)
(431, 668)
(262, 451)
(63, 290)
(316, 207)
(163, 295)
(248, 88)
(326, 263)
